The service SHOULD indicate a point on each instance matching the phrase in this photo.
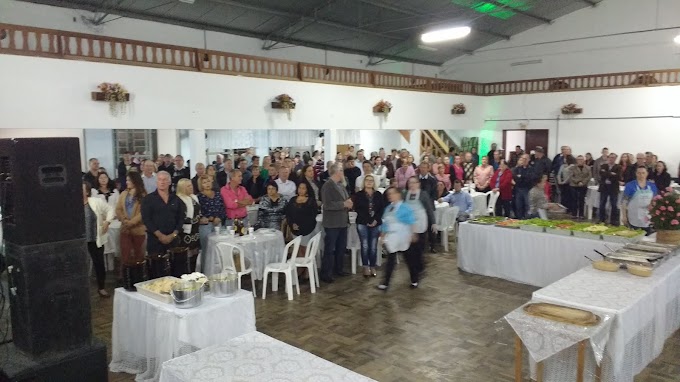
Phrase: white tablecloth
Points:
(262, 247)
(646, 312)
(146, 332)
(353, 240)
(439, 209)
(532, 258)
(255, 357)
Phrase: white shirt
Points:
(286, 190)
(150, 183)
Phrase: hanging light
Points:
(445, 34)
(677, 39)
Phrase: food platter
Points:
(486, 220)
(509, 223)
(158, 289)
(562, 314)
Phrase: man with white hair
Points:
(149, 176)
(336, 206)
(286, 186)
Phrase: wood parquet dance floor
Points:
(446, 330)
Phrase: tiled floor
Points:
(446, 330)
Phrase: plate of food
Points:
(509, 223)
(158, 289)
(622, 235)
(534, 225)
(486, 220)
(588, 230)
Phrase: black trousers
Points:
(566, 197)
(97, 256)
(579, 200)
(503, 207)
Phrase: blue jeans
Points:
(369, 244)
(521, 202)
(335, 244)
(203, 232)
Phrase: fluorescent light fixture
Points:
(445, 34)
(427, 47)
(677, 39)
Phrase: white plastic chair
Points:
(225, 255)
(284, 267)
(449, 221)
(493, 198)
(309, 262)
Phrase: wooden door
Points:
(536, 138)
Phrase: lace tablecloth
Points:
(646, 312)
(263, 247)
(255, 357)
(146, 332)
(526, 257)
(544, 338)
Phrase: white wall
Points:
(576, 55)
(43, 16)
(171, 99)
(99, 144)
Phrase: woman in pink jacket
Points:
(482, 176)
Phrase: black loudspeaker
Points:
(41, 190)
(87, 364)
(49, 296)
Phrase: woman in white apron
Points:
(637, 196)
(397, 231)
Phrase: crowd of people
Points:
(160, 204)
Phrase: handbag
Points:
(133, 274)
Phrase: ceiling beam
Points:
(410, 12)
(282, 31)
(218, 28)
(523, 13)
(295, 16)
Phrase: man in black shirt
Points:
(255, 185)
(223, 176)
(163, 215)
(428, 185)
(91, 176)
(352, 172)
(541, 164)
(489, 155)
(179, 172)
(167, 164)
(609, 176)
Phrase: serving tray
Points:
(562, 314)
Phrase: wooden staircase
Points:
(436, 141)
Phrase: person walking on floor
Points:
(336, 206)
(398, 234)
(423, 210)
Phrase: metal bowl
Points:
(223, 284)
(187, 294)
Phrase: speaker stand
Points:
(86, 363)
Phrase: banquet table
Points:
(263, 247)
(646, 312)
(533, 258)
(146, 332)
(255, 357)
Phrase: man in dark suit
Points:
(223, 176)
(428, 184)
(609, 175)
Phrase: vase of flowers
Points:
(285, 102)
(458, 108)
(665, 216)
(383, 107)
(113, 93)
(571, 108)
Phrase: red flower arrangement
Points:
(665, 211)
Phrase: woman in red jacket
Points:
(501, 181)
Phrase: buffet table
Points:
(146, 332)
(525, 257)
(646, 312)
(255, 357)
(262, 247)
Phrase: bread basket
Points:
(604, 265)
(639, 270)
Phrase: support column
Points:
(197, 148)
(330, 142)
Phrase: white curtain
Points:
(293, 138)
(218, 140)
(349, 137)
